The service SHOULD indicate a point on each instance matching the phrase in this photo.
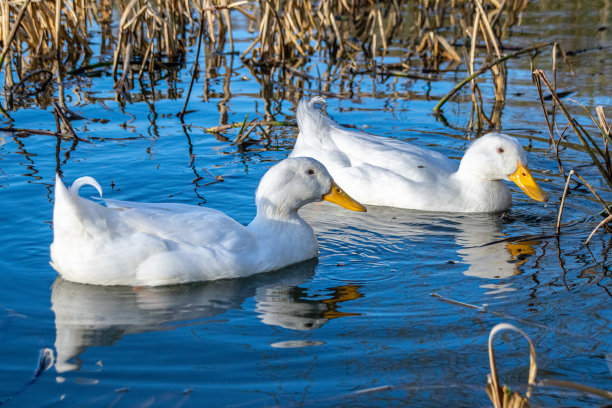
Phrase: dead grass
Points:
(504, 397)
(47, 40)
(598, 149)
(354, 36)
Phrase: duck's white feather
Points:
(388, 172)
(321, 136)
(125, 243)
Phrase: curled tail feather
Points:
(72, 217)
(314, 126)
(83, 181)
(312, 119)
(70, 209)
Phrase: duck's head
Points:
(496, 156)
(297, 181)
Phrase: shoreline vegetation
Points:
(142, 42)
(149, 40)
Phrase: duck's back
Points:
(358, 160)
(144, 244)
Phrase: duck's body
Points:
(382, 171)
(127, 243)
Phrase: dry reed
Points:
(598, 151)
(500, 395)
(353, 36)
(504, 397)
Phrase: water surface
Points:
(320, 333)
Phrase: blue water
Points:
(360, 316)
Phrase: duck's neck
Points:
(478, 195)
(284, 236)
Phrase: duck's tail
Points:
(313, 123)
(77, 227)
(312, 119)
(80, 182)
(70, 210)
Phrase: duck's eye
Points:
(310, 172)
(500, 150)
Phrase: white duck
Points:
(382, 171)
(139, 244)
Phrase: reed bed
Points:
(356, 38)
(44, 41)
(144, 41)
(148, 41)
(597, 148)
(151, 38)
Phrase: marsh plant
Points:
(143, 40)
(597, 146)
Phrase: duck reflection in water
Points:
(91, 315)
(488, 254)
(476, 242)
(277, 306)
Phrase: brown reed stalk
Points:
(484, 69)
(491, 41)
(576, 386)
(561, 205)
(234, 125)
(8, 40)
(30, 131)
(601, 224)
(195, 66)
(502, 397)
(599, 157)
(602, 202)
(57, 109)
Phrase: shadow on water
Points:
(88, 315)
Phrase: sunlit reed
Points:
(354, 36)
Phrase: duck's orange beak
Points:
(523, 178)
(337, 196)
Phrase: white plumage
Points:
(383, 171)
(126, 243)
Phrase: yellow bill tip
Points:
(523, 178)
(337, 196)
